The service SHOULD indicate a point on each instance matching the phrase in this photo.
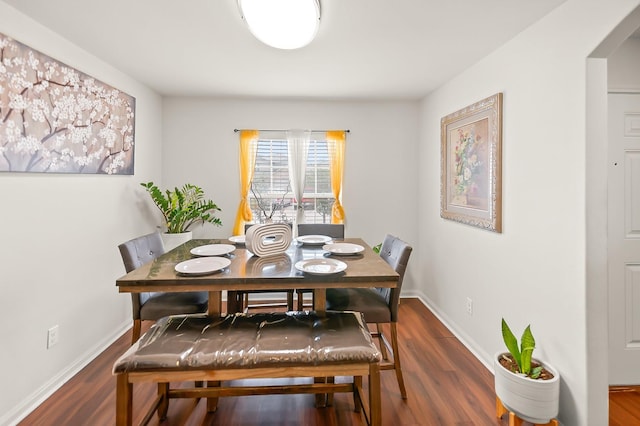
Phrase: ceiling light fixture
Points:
(283, 24)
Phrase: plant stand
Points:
(514, 420)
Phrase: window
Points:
(271, 195)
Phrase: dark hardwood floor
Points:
(447, 385)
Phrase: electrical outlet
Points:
(52, 336)
(469, 306)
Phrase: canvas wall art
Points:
(56, 119)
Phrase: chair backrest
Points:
(135, 253)
(140, 250)
(396, 253)
(333, 230)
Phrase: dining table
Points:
(244, 271)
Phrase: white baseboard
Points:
(32, 402)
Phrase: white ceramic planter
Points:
(535, 401)
(171, 241)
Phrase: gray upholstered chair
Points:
(333, 230)
(153, 306)
(379, 305)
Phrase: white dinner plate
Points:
(343, 249)
(238, 239)
(202, 265)
(314, 240)
(213, 250)
(321, 266)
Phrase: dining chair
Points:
(155, 305)
(241, 298)
(333, 230)
(379, 305)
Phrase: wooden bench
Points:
(249, 346)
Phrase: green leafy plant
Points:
(521, 354)
(183, 207)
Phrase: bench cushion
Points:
(185, 342)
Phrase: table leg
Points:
(319, 300)
(215, 303)
(233, 304)
(320, 306)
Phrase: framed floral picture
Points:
(470, 187)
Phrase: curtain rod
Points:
(278, 130)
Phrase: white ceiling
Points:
(365, 49)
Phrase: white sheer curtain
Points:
(298, 144)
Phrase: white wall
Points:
(381, 168)
(623, 66)
(534, 271)
(59, 236)
(60, 232)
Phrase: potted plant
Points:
(526, 386)
(181, 208)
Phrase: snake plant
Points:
(521, 354)
(183, 207)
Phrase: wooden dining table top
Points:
(249, 272)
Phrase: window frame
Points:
(314, 167)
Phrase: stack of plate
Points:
(321, 266)
(202, 265)
(343, 249)
(213, 250)
(237, 239)
(313, 240)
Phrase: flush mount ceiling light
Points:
(283, 24)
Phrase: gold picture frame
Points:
(471, 165)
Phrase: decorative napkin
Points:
(268, 239)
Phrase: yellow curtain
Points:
(248, 147)
(336, 140)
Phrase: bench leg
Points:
(357, 385)
(321, 398)
(163, 407)
(375, 399)
(124, 400)
(212, 402)
(331, 380)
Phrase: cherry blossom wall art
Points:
(56, 119)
